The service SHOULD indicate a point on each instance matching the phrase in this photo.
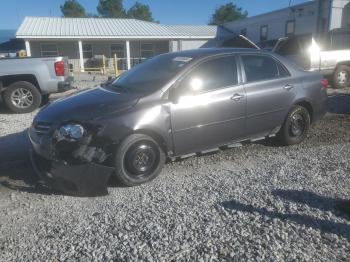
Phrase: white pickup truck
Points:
(330, 55)
(26, 83)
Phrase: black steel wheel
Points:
(297, 124)
(295, 127)
(139, 159)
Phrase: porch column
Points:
(28, 48)
(128, 62)
(81, 57)
(179, 45)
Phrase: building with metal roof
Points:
(131, 40)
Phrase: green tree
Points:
(72, 8)
(141, 12)
(111, 8)
(227, 13)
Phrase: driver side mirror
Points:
(192, 87)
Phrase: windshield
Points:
(152, 74)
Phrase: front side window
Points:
(213, 74)
(264, 32)
(259, 68)
(290, 28)
(87, 51)
(48, 50)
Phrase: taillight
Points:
(324, 83)
(59, 68)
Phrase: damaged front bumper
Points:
(79, 178)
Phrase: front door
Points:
(210, 110)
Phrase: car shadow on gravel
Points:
(311, 199)
(16, 172)
(304, 197)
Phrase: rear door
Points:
(270, 92)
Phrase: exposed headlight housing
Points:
(70, 132)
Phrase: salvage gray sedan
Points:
(170, 106)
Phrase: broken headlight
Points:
(70, 132)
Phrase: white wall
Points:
(194, 44)
(313, 17)
(337, 14)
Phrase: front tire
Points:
(139, 159)
(295, 127)
(341, 76)
(22, 97)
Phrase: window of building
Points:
(49, 50)
(213, 74)
(118, 49)
(264, 32)
(87, 51)
(290, 28)
(244, 32)
(147, 50)
(259, 68)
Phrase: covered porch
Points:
(104, 55)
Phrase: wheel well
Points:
(308, 106)
(158, 138)
(5, 81)
(347, 63)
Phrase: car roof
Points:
(204, 52)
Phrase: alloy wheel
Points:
(343, 77)
(22, 98)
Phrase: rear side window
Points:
(259, 68)
(213, 74)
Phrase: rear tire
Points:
(21, 97)
(341, 76)
(139, 159)
(295, 127)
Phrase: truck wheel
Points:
(295, 127)
(22, 97)
(341, 76)
(139, 159)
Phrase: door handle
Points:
(288, 87)
(237, 97)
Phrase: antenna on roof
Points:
(290, 2)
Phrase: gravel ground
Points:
(256, 202)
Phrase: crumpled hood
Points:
(87, 105)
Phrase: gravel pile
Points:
(255, 202)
